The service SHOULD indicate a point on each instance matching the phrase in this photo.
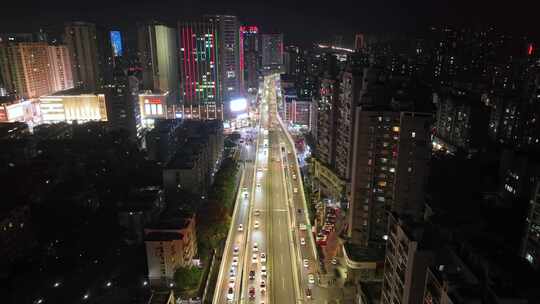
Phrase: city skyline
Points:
(347, 18)
(281, 153)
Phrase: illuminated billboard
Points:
(116, 42)
(238, 105)
(68, 108)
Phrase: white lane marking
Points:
(283, 281)
(280, 239)
(281, 256)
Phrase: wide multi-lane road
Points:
(269, 237)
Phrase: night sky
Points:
(301, 21)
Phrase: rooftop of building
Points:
(12, 129)
(160, 236)
(173, 219)
(363, 254)
(74, 92)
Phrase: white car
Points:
(257, 212)
(295, 190)
(263, 271)
(263, 257)
(263, 286)
(311, 278)
(302, 241)
(236, 250)
(231, 282)
(303, 227)
(235, 261)
(254, 259)
(240, 227)
(230, 294)
(255, 247)
(294, 176)
(306, 263)
(256, 225)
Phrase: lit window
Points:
(395, 129)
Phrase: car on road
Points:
(255, 247)
(302, 227)
(252, 292)
(252, 275)
(230, 294)
(232, 273)
(235, 261)
(302, 241)
(295, 190)
(294, 176)
(236, 250)
(299, 210)
(257, 212)
(306, 263)
(308, 293)
(311, 278)
(263, 271)
(231, 282)
(240, 227)
(258, 185)
(334, 261)
(263, 286)
(254, 259)
(263, 257)
(256, 225)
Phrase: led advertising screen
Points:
(116, 42)
(238, 105)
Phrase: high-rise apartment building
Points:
(25, 68)
(272, 53)
(60, 74)
(351, 88)
(249, 57)
(82, 41)
(200, 70)
(389, 158)
(228, 37)
(406, 262)
(531, 239)
(157, 49)
(327, 120)
(122, 100)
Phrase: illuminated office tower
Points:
(200, 73)
(60, 74)
(24, 68)
(157, 52)
(82, 41)
(272, 52)
(249, 57)
(228, 31)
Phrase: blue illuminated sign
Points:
(116, 42)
